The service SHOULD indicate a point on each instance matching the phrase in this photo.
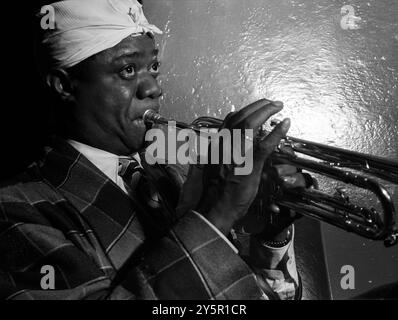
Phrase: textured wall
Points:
(339, 86)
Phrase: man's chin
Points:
(136, 146)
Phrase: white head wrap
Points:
(86, 27)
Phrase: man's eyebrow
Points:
(134, 54)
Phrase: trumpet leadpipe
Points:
(152, 117)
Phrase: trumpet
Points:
(349, 167)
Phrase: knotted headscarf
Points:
(83, 28)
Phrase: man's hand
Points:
(265, 218)
(226, 197)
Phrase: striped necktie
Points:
(144, 197)
(131, 172)
(136, 184)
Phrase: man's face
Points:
(113, 90)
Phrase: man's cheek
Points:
(125, 92)
(124, 104)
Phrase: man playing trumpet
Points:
(106, 221)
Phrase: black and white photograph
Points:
(199, 150)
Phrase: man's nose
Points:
(148, 87)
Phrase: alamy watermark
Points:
(47, 281)
(349, 21)
(348, 280)
(47, 20)
(208, 147)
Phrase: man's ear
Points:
(60, 83)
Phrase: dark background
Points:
(339, 86)
(24, 103)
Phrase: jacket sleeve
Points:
(275, 268)
(190, 262)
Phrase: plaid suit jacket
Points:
(66, 213)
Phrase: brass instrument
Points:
(333, 209)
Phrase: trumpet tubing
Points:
(335, 163)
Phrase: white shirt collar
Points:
(105, 161)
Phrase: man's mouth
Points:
(140, 122)
(148, 123)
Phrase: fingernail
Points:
(286, 124)
(278, 104)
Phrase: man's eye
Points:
(128, 72)
(155, 67)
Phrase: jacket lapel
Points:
(110, 213)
